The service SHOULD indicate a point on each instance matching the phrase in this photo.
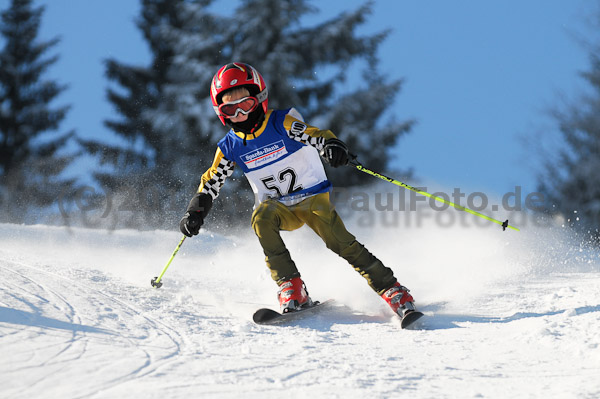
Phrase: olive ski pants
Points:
(271, 216)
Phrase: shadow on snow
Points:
(446, 321)
(14, 316)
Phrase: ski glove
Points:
(335, 152)
(196, 212)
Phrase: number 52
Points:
(285, 175)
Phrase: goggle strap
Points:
(262, 96)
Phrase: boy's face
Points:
(229, 98)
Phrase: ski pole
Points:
(155, 282)
(352, 161)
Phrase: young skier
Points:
(279, 155)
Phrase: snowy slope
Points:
(511, 314)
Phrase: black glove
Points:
(196, 212)
(335, 152)
(190, 224)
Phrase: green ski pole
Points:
(360, 167)
(155, 282)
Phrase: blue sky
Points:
(479, 76)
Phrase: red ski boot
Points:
(399, 299)
(293, 296)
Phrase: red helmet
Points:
(237, 74)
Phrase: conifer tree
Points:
(308, 67)
(570, 181)
(167, 117)
(31, 150)
(164, 117)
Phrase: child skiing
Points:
(279, 154)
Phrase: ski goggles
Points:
(243, 105)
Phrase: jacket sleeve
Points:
(214, 178)
(299, 131)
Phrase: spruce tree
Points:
(307, 67)
(31, 151)
(166, 113)
(571, 180)
(571, 177)
(163, 116)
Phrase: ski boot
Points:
(399, 299)
(293, 296)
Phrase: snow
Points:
(510, 314)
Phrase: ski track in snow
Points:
(508, 315)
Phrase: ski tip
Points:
(410, 318)
(265, 316)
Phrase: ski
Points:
(268, 316)
(409, 318)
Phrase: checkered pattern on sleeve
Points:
(219, 173)
(297, 132)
